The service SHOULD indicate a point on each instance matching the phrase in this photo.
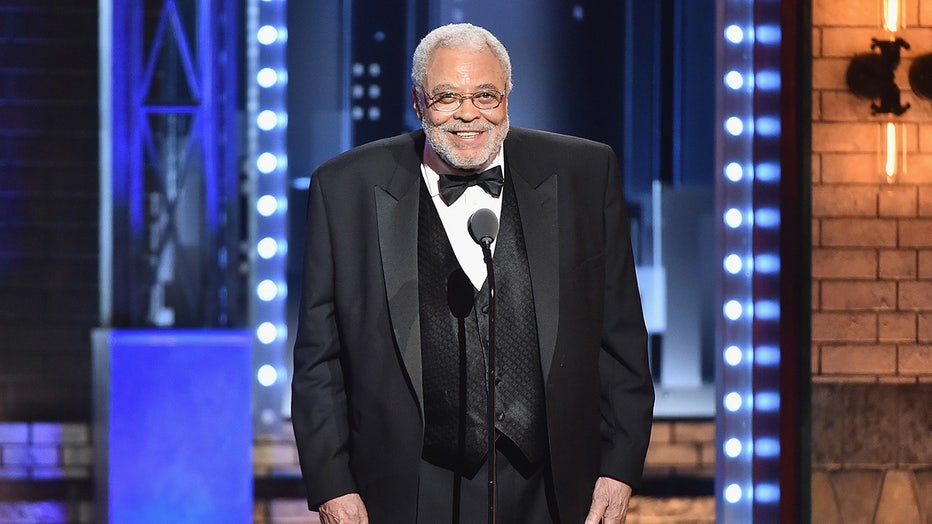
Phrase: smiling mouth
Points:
(466, 134)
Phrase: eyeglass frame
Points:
(461, 97)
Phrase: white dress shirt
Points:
(455, 216)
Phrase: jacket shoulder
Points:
(557, 142)
(535, 146)
(374, 157)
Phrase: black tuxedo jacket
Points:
(357, 401)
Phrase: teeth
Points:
(467, 134)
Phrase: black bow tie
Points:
(453, 186)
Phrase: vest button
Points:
(485, 309)
(500, 416)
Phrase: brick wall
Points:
(39, 465)
(681, 448)
(35, 452)
(681, 451)
(46, 472)
(48, 207)
(872, 283)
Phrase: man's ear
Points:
(417, 104)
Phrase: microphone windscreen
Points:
(483, 226)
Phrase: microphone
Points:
(483, 226)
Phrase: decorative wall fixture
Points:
(873, 76)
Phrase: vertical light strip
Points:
(768, 275)
(105, 112)
(748, 192)
(735, 163)
(267, 121)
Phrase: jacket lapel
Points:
(396, 209)
(397, 206)
(536, 190)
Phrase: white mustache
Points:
(456, 128)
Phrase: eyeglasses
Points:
(448, 102)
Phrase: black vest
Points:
(454, 337)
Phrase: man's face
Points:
(467, 138)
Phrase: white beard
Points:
(443, 145)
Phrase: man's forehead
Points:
(450, 64)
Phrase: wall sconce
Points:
(873, 76)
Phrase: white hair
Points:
(456, 36)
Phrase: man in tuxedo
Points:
(389, 389)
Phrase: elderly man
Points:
(390, 383)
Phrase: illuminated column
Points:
(735, 333)
(268, 165)
(749, 200)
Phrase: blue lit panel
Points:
(173, 428)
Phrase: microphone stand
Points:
(486, 243)
(483, 228)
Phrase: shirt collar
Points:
(431, 177)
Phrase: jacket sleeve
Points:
(319, 405)
(627, 393)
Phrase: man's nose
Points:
(466, 111)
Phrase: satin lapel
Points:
(537, 203)
(396, 208)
